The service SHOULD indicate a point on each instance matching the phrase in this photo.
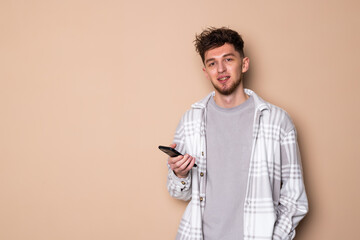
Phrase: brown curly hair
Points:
(216, 37)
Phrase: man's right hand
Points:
(181, 165)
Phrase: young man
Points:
(248, 181)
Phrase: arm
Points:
(293, 204)
(179, 174)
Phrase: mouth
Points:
(223, 79)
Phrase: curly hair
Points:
(216, 37)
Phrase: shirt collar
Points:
(260, 104)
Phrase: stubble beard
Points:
(231, 89)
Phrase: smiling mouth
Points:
(224, 78)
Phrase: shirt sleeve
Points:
(179, 188)
(293, 203)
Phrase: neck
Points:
(229, 101)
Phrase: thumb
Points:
(173, 145)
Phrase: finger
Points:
(174, 160)
(180, 162)
(173, 145)
(186, 162)
(187, 166)
(190, 166)
(175, 165)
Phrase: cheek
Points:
(237, 70)
(213, 73)
(209, 74)
(206, 74)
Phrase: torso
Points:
(229, 142)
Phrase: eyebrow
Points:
(225, 55)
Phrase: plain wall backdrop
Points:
(89, 89)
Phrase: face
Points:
(225, 68)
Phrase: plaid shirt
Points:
(267, 215)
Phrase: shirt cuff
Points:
(181, 183)
(280, 235)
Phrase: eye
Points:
(211, 64)
(228, 59)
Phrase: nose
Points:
(221, 67)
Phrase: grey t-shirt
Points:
(229, 142)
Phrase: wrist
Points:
(180, 175)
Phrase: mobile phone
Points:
(172, 152)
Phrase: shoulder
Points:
(279, 117)
(192, 115)
(271, 114)
(197, 110)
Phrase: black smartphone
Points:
(172, 152)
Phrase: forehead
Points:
(219, 52)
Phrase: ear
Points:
(206, 74)
(245, 64)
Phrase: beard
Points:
(228, 90)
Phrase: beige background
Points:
(89, 89)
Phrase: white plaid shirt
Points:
(266, 215)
